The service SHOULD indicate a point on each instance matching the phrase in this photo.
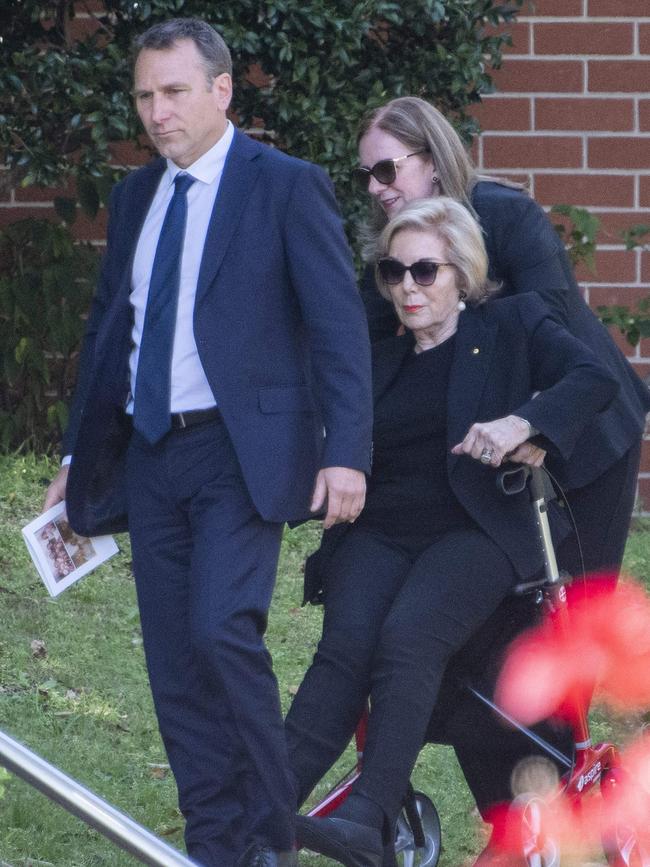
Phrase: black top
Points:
(409, 497)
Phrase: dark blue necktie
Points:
(151, 411)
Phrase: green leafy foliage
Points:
(65, 94)
(632, 323)
(579, 235)
(46, 283)
(634, 236)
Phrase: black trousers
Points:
(393, 619)
(488, 751)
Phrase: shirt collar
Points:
(210, 164)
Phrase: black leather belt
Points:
(193, 417)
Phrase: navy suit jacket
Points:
(279, 327)
(505, 351)
(526, 254)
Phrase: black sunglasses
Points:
(384, 171)
(423, 271)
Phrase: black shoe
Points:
(349, 843)
(264, 856)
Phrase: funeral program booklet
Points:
(60, 555)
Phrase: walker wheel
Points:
(623, 849)
(407, 854)
(621, 844)
(528, 817)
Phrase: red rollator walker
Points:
(595, 771)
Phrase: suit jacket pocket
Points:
(285, 398)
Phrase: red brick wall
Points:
(571, 116)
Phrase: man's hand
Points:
(345, 492)
(56, 491)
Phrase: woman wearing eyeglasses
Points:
(409, 151)
(436, 548)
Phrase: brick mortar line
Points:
(577, 172)
(573, 94)
(609, 209)
(584, 19)
(633, 95)
(608, 58)
(27, 204)
(602, 210)
(571, 133)
(618, 246)
(630, 285)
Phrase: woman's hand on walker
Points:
(492, 442)
(528, 454)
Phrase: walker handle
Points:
(512, 478)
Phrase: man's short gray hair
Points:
(210, 45)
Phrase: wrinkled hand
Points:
(56, 490)
(345, 492)
(504, 437)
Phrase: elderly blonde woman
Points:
(436, 548)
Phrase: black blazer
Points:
(526, 254)
(505, 351)
(279, 328)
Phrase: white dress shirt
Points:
(189, 386)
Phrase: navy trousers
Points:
(205, 565)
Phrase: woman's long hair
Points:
(420, 126)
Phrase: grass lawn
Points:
(84, 702)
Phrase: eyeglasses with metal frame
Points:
(384, 171)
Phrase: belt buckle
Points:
(181, 418)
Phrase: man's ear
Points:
(222, 90)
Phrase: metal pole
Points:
(90, 808)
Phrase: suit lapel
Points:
(475, 344)
(242, 167)
(139, 194)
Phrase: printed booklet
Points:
(60, 555)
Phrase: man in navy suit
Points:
(253, 409)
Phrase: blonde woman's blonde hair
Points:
(459, 232)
